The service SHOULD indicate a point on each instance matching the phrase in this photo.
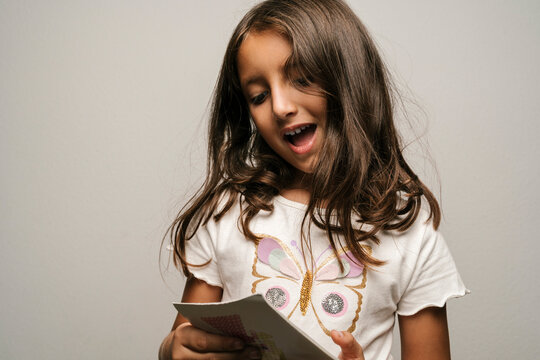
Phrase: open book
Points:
(258, 324)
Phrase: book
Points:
(258, 324)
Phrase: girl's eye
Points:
(259, 98)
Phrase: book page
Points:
(258, 324)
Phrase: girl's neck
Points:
(300, 190)
(298, 195)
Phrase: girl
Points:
(308, 199)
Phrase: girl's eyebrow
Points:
(251, 80)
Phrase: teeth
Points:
(296, 131)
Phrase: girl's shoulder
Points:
(423, 228)
(406, 247)
(226, 211)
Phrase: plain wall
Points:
(102, 137)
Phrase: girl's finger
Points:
(350, 348)
(201, 341)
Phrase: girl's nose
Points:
(283, 104)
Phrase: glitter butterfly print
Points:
(330, 295)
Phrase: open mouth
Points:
(301, 136)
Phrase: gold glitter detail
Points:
(256, 274)
(305, 292)
(292, 311)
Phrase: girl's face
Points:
(291, 118)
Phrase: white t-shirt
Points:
(419, 272)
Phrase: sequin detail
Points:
(305, 292)
(276, 297)
(333, 304)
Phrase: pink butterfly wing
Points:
(278, 274)
(356, 268)
(271, 252)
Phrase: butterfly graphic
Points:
(324, 291)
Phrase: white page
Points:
(257, 323)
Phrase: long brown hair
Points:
(361, 177)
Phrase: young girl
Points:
(308, 199)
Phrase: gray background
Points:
(102, 126)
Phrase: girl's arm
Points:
(187, 342)
(424, 335)
(197, 291)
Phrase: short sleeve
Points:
(434, 278)
(201, 250)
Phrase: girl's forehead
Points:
(260, 54)
(264, 39)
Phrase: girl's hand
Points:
(188, 342)
(350, 348)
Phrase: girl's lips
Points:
(293, 128)
(305, 146)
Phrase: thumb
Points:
(350, 348)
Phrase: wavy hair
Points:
(360, 178)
